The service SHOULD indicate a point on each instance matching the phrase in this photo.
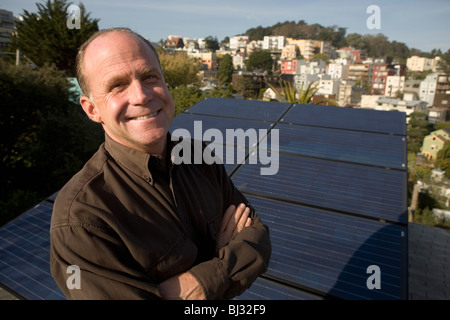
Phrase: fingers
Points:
(234, 220)
(241, 219)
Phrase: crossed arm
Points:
(184, 286)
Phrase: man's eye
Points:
(117, 86)
(150, 77)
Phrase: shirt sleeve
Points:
(106, 273)
(242, 260)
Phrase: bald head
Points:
(80, 59)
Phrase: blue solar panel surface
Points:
(267, 289)
(347, 119)
(336, 206)
(360, 190)
(25, 255)
(203, 127)
(331, 252)
(343, 145)
(247, 109)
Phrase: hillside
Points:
(375, 45)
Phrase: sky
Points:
(424, 25)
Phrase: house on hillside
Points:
(174, 42)
(434, 89)
(434, 142)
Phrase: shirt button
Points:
(148, 179)
(154, 161)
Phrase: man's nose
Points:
(139, 93)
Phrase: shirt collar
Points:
(135, 160)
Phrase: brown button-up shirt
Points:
(130, 221)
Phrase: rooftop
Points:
(336, 205)
(429, 264)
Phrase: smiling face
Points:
(128, 94)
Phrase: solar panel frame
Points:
(389, 122)
(343, 145)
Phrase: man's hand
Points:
(233, 221)
(181, 287)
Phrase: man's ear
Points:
(90, 109)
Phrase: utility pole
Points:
(17, 57)
(414, 201)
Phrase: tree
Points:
(246, 87)
(444, 63)
(357, 41)
(259, 60)
(378, 45)
(44, 37)
(300, 30)
(258, 33)
(46, 137)
(441, 125)
(221, 92)
(321, 56)
(333, 34)
(417, 129)
(443, 159)
(225, 72)
(398, 50)
(185, 97)
(225, 41)
(211, 44)
(179, 69)
(304, 96)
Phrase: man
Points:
(136, 225)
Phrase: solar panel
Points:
(336, 205)
(245, 109)
(347, 118)
(209, 128)
(267, 289)
(343, 187)
(343, 145)
(25, 255)
(330, 253)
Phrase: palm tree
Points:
(304, 96)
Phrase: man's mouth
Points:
(148, 116)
